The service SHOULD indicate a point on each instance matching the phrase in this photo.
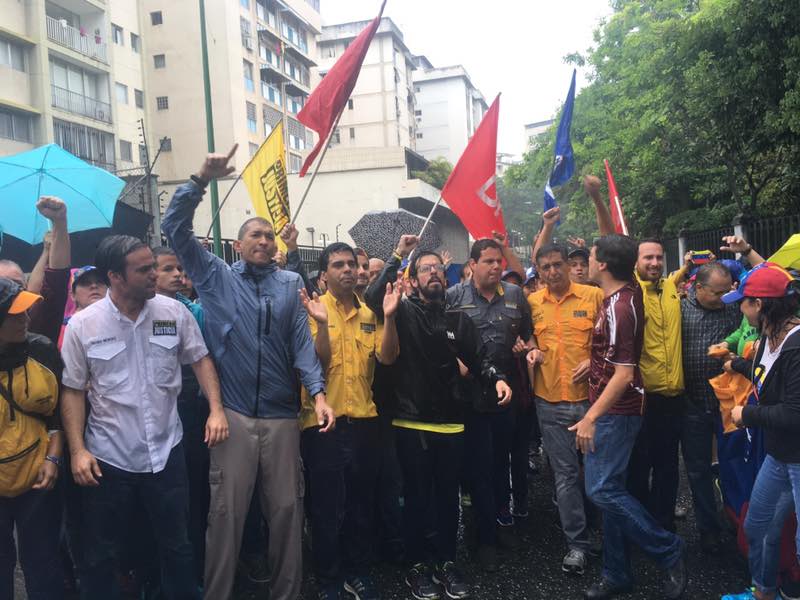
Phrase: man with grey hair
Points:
(705, 320)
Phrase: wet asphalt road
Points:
(534, 571)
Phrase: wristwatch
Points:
(201, 183)
(53, 459)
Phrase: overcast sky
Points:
(511, 46)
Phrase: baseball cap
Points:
(735, 267)
(13, 299)
(766, 280)
(530, 273)
(78, 274)
(578, 251)
(508, 272)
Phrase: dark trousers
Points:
(389, 510)
(193, 412)
(342, 467)
(107, 511)
(488, 444)
(653, 469)
(430, 462)
(524, 419)
(36, 514)
(699, 428)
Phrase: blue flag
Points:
(564, 164)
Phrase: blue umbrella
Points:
(89, 192)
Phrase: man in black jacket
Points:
(429, 416)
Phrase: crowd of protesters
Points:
(191, 421)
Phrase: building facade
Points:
(534, 130)
(448, 110)
(380, 112)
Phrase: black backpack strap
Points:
(16, 407)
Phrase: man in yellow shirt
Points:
(653, 468)
(563, 314)
(342, 464)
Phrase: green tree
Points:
(436, 174)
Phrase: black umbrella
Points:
(377, 231)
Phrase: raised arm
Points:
(377, 289)
(732, 243)
(390, 344)
(605, 223)
(36, 278)
(549, 219)
(512, 261)
(293, 261)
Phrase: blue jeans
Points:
(625, 520)
(775, 493)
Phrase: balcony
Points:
(81, 105)
(69, 37)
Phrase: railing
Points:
(308, 256)
(68, 36)
(80, 104)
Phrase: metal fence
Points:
(765, 235)
(62, 33)
(80, 104)
(308, 255)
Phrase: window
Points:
(156, 18)
(135, 43)
(15, 126)
(92, 145)
(295, 162)
(336, 138)
(295, 104)
(331, 51)
(419, 136)
(352, 133)
(122, 92)
(125, 151)
(350, 104)
(253, 148)
(118, 34)
(162, 102)
(418, 113)
(261, 10)
(159, 61)
(245, 4)
(267, 126)
(247, 67)
(251, 117)
(271, 93)
(12, 55)
(417, 89)
(138, 98)
(166, 144)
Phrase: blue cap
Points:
(530, 273)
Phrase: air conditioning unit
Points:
(248, 43)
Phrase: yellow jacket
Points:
(662, 355)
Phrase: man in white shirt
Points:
(124, 353)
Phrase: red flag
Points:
(470, 190)
(616, 206)
(328, 99)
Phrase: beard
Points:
(435, 294)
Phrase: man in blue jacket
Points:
(257, 332)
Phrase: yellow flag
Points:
(265, 178)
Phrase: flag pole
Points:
(430, 216)
(316, 167)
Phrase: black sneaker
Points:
(255, 569)
(604, 589)
(422, 587)
(449, 577)
(361, 588)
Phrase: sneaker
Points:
(746, 595)
(504, 519)
(255, 569)
(448, 576)
(604, 589)
(521, 513)
(574, 562)
(790, 590)
(487, 558)
(361, 588)
(422, 587)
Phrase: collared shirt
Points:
(700, 328)
(131, 371)
(563, 330)
(662, 354)
(499, 321)
(354, 345)
(617, 340)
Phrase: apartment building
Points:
(71, 73)
(534, 130)
(380, 112)
(448, 109)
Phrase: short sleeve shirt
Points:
(132, 374)
(617, 339)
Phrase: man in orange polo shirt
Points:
(563, 314)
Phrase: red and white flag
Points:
(326, 102)
(470, 190)
(620, 226)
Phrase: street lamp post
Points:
(323, 237)
(311, 230)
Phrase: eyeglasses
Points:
(428, 268)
